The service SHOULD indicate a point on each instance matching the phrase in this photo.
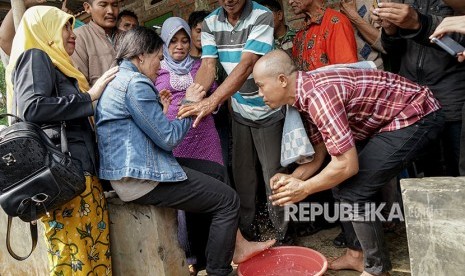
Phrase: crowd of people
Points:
(192, 119)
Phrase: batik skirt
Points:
(77, 234)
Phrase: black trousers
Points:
(194, 236)
(203, 194)
(257, 148)
(381, 158)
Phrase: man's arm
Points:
(370, 33)
(205, 76)
(7, 33)
(236, 78)
(7, 29)
(305, 171)
(231, 85)
(292, 190)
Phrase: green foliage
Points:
(3, 93)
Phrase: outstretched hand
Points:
(453, 24)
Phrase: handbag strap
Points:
(63, 136)
(64, 139)
(3, 115)
(33, 228)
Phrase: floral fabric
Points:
(83, 246)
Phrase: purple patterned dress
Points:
(203, 141)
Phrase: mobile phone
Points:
(449, 45)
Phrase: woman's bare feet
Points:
(245, 250)
(352, 260)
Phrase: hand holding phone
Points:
(449, 45)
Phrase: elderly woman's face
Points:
(150, 64)
(179, 45)
(69, 38)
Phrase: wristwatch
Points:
(185, 101)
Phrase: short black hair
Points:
(197, 17)
(126, 13)
(273, 5)
(137, 41)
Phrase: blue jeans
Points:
(381, 158)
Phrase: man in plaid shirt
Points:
(371, 123)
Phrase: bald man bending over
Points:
(370, 122)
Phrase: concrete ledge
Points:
(143, 242)
(435, 220)
(36, 264)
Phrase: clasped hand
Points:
(201, 108)
(195, 92)
(286, 189)
(396, 15)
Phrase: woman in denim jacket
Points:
(136, 140)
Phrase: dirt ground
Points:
(396, 241)
(322, 241)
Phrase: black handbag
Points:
(35, 176)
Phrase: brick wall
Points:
(181, 8)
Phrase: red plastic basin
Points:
(284, 260)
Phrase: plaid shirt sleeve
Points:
(326, 109)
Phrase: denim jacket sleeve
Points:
(143, 105)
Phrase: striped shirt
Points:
(252, 33)
(347, 105)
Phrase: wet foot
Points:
(352, 260)
(246, 250)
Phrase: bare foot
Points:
(352, 260)
(246, 250)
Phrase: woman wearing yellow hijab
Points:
(44, 87)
